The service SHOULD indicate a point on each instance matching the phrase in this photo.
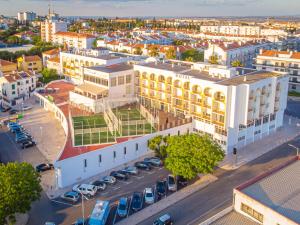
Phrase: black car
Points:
(28, 144)
(182, 181)
(118, 175)
(101, 185)
(143, 165)
(44, 167)
(5, 109)
(137, 201)
(12, 112)
(161, 187)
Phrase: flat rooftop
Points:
(279, 191)
(203, 75)
(167, 66)
(249, 78)
(113, 68)
(234, 218)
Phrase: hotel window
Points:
(120, 80)
(113, 82)
(128, 79)
(251, 212)
(13, 86)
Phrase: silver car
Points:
(109, 179)
(171, 183)
(131, 170)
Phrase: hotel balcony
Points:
(218, 111)
(206, 105)
(217, 122)
(196, 102)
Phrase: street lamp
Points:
(82, 206)
(293, 146)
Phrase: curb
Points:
(168, 201)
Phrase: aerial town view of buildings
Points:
(146, 119)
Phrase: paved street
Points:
(293, 107)
(217, 196)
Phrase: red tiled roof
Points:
(52, 52)
(273, 53)
(74, 34)
(54, 59)
(33, 58)
(6, 63)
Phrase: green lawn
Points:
(93, 138)
(95, 121)
(294, 94)
(124, 114)
(137, 130)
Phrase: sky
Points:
(166, 8)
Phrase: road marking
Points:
(123, 182)
(116, 188)
(139, 177)
(152, 172)
(203, 215)
(64, 203)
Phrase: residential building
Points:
(54, 64)
(234, 109)
(50, 27)
(15, 87)
(7, 66)
(284, 61)
(227, 52)
(24, 17)
(74, 40)
(53, 53)
(73, 62)
(30, 63)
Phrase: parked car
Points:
(71, 196)
(22, 139)
(182, 181)
(101, 185)
(143, 166)
(5, 109)
(131, 170)
(149, 195)
(13, 111)
(85, 189)
(122, 209)
(81, 221)
(154, 161)
(119, 175)
(171, 183)
(21, 135)
(109, 180)
(161, 188)
(137, 201)
(26, 108)
(28, 144)
(164, 220)
(44, 167)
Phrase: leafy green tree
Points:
(158, 145)
(191, 154)
(153, 51)
(177, 42)
(192, 55)
(49, 75)
(171, 53)
(19, 187)
(236, 63)
(138, 51)
(14, 40)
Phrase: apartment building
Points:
(30, 63)
(234, 109)
(74, 40)
(104, 83)
(24, 17)
(283, 61)
(7, 66)
(73, 62)
(226, 52)
(15, 87)
(50, 27)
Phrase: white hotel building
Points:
(234, 110)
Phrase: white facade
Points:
(49, 28)
(16, 87)
(281, 61)
(74, 40)
(24, 17)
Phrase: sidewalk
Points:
(288, 132)
(170, 200)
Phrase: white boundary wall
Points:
(73, 170)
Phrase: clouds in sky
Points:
(155, 7)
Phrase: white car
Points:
(26, 107)
(85, 189)
(149, 195)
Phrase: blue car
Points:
(122, 209)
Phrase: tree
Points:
(49, 75)
(191, 154)
(138, 51)
(177, 42)
(153, 51)
(236, 63)
(213, 59)
(158, 144)
(171, 53)
(19, 187)
(192, 55)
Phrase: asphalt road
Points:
(293, 108)
(217, 196)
